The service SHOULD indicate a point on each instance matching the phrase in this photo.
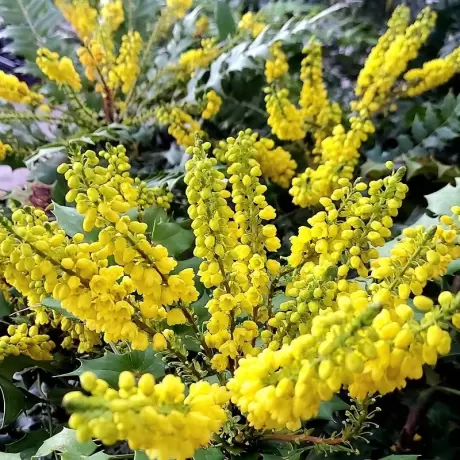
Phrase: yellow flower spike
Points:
(16, 91)
(181, 125)
(80, 14)
(213, 103)
(60, 70)
(251, 23)
(179, 7)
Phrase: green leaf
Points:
(441, 201)
(327, 409)
(140, 455)
(66, 441)
(14, 401)
(418, 130)
(55, 305)
(111, 365)
(29, 443)
(212, 453)
(153, 216)
(12, 364)
(96, 456)
(4, 456)
(5, 306)
(72, 222)
(431, 119)
(172, 236)
(224, 20)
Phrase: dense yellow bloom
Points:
(5, 150)
(201, 26)
(14, 90)
(433, 73)
(284, 118)
(127, 63)
(112, 14)
(252, 23)
(77, 335)
(194, 59)
(181, 125)
(390, 57)
(277, 64)
(179, 7)
(159, 418)
(91, 57)
(80, 14)
(22, 340)
(363, 347)
(213, 103)
(60, 70)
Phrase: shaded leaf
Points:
(212, 453)
(172, 236)
(140, 455)
(5, 307)
(111, 365)
(14, 401)
(224, 20)
(72, 222)
(418, 130)
(66, 441)
(327, 409)
(55, 305)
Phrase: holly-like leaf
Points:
(401, 457)
(14, 401)
(327, 409)
(212, 453)
(173, 237)
(72, 222)
(111, 365)
(28, 444)
(5, 306)
(441, 201)
(418, 130)
(55, 305)
(224, 20)
(65, 441)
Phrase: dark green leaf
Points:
(5, 306)
(212, 453)
(14, 401)
(55, 305)
(327, 409)
(140, 455)
(446, 133)
(72, 222)
(448, 105)
(418, 130)
(111, 365)
(12, 364)
(431, 119)
(405, 143)
(224, 20)
(175, 238)
(153, 216)
(28, 443)
(66, 441)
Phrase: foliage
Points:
(194, 269)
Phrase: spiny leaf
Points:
(111, 365)
(65, 441)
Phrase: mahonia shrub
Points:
(353, 320)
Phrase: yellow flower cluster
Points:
(319, 113)
(179, 7)
(232, 243)
(213, 103)
(77, 335)
(433, 73)
(127, 62)
(60, 70)
(251, 23)
(16, 91)
(201, 26)
(376, 89)
(91, 57)
(5, 150)
(361, 346)
(39, 260)
(194, 59)
(390, 57)
(22, 340)
(181, 125)
(284, 118)
(340, 239)
(112, 14)
(276, 163)
(159, 418)
(277, 65)
(80, 14)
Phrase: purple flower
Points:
(11, 179)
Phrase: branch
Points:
(304, 438)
